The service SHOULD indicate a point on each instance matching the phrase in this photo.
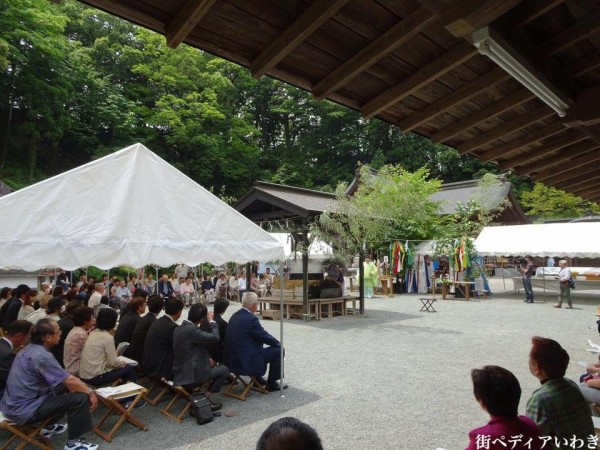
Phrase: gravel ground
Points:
(395, 379)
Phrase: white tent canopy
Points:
(577, 240)
(130, 207)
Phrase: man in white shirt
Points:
(564, 278)
(96, 296)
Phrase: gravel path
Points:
(396, 379)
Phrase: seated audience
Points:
(498, 393)
(208, 289)
(83, 322)
(165, 287)
(558, 407)
(289, 433)
(96, 296)
(192, 365)
(38, 388)
(17, 336)
(135, 350)
(27, 307)
(44, 296)
(158, 347)
(123, 294)
(244, 352)
(216, 350)
(5, 295)
(65, 324)
(187, 291)
(128, 307)
(221, 287)
(99, 365)
(52, 311)
(10, 310)
(129, 320)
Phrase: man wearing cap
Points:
(52, 311)
(38, 388)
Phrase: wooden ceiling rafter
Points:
(531, 10)
(517, 124)
(302, 27)
(571, 36)
(423, 76)
(505, 104)
(469, 90)
(585, 188)
(396, 36)
(576, 170)
(186, 19)
(521, 142)
(585, 111)
(465, 16)
(545, 149)
(582, 66)
(129, 13)
(548, 167)
(590, 181)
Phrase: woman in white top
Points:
(27, 307)
(99, 364)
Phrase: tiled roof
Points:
(307, 199)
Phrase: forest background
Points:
(77, 84)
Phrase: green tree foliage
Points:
(392, 203)
(77, 84)
(545, 202)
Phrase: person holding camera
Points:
(526, 269)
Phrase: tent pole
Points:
(361, 283)
(544, 282)
(281, 281)
(156, 281)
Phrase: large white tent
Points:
(130, 207)
(579, 239)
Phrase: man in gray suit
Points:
(192, 365)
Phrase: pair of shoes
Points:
(568, 307)
(53, 430)
(80, 444)
(557, 306)
(275, 387)
(529, 301)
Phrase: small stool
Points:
(29, 434)
(156, 391)
(428, 304)
(109, 397)
(253, 384)
(181, 393)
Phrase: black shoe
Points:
(529, 301)
(525, 301)
(216, 406)
(275, 387)
(261, 381)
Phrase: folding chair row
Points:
(182, 395)
(28, 434)
(246, 386)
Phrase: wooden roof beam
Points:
(545, 149)
(543, 112)
(186, 19)
(549, 167)
(585, 111)
(482, 115)
(420, 78)
(586, 187)
(523, 141)
(531, 10)
(571, 36)
(302, 27)
(592, 180)
(466, 16)
(582, 66)
(463, 94)
(573, 172)
(399, 34)
(129, 13)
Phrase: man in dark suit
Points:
(192, 365)
(216, 350)
(244, 352)
(17, 336)
(135, 350)
(165, 288)
(128, 321)
(158, 347)
(10, 310)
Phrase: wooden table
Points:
(466, 284)
(319, 307)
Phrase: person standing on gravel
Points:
(564, 278)
(527, 272)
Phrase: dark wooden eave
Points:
(412, 64)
